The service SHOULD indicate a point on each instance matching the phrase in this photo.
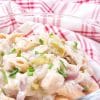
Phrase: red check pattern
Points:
(83, 9)
(58, 16)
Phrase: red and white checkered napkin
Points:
(58, 16)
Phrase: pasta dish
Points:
(43, 68)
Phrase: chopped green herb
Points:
(19, 53)
(1, 57)
(13, 50)
(51, 35)
(61, 71)
(50, 66)
(85, 88)
(36, 52)
(3, 91)
(41, 53)
(1, 53)
(13, 73)
(25, 58)
(75, 44)
(30, 71)
(62, 64)
(41, 41)
(4, 76)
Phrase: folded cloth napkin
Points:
(58, 16)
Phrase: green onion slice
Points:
(50, 66)
(36, 52)
(19, 53)
(4, 76)
(62, 64)
(13, 50)
(61, 71)
(85, 88)
(30, 71)
(13, 73)
(75, 44)
(51, 35)
(41, 41)
(1, 53)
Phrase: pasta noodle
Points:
(2, 35)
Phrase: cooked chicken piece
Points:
(11, 90)
(74, 55)
(52, 82)
(35, 96)
(70, 60)
(4, 45)
(49, 97)
(61, 98)
(87, 82)
(20, 95)
(22, 86)
(71, 90)
(72, 71)
(22, 79)
(41, 71)
(25, 44)
(33, 85)
(21, 63)
(12, 37)
(3, 97)
(88, 69)
(7, 63)
(13, 62)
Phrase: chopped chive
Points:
(19, 53)
(13, 73)
(85, 88)
(62, 64)
(1, 53)
(25, 58)
(41, 41)
(41, 53)
(4, 76)
(36, 52)
(60, 71)
(30, 71)
(50, 66)
(3, 91)
(13, 50)
(51, 35)
(75, 44)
